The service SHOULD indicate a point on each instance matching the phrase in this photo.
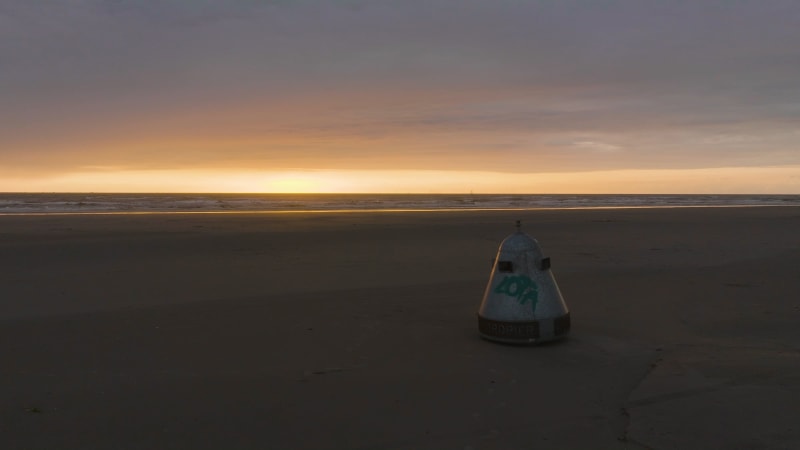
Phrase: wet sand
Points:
(358, 331)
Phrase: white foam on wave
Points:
(142, 203)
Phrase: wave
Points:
(30, 203)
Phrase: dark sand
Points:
(358, 331)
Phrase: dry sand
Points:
(358, 331)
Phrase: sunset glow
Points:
(394, 97)
(752, 180)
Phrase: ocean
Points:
(74, 203)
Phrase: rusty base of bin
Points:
(531, 332)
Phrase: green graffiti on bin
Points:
(521, 287)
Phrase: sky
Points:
(483, 96)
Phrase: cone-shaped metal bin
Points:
(522, 303)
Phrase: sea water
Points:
(74, 203)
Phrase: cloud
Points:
(445, 83)
(597, 147)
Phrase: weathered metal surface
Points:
(522, 303)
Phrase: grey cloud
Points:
(635, 70)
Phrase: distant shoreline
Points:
(345, 203)
(377, 211)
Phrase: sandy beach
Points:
(359, 331)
